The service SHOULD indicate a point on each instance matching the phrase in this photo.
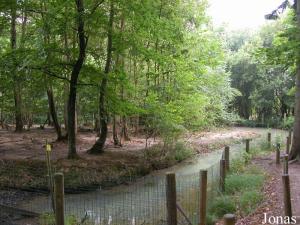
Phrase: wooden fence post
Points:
(286, 164)
(222, 175)
(247, 145)
(269, 140)
(287, 195)
(229, 219)
(50, 174)
(203, 197)
(227, 160)
(59, 199)
(171, 199)
(287, 145)
(278, 154)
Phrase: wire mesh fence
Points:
(142, 202)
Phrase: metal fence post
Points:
(171, 199)
(203, 197)
(59, 198)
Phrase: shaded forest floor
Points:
(31, 144)
(23, 166)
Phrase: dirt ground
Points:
(31, 144)
(22, 157)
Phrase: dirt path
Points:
(273, 203)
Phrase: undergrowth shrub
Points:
(162, 156)
(265, 147)
(211, 219)
(242, 182)
(182, 151)
(288, 123)
(249, 201)
(237, 166)
(222, 205)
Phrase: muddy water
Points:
(143, 202)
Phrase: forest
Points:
(120, 88)
(157, 67)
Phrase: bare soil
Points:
(23, 166)
(31, 144)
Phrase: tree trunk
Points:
(96, 124)
(1, 118)
(66, 87)
(76, 119)
(48, 82)
(103, 115)
(73, 82)
(115, 133)
(66, 91)
(125, 135)
(295, 151)
(53, 113)
(17, 85)
(99, 145)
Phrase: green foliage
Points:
(238, 166)
(248, 123)
(167, 65)
(182, 151)
(243, 182)
(222, 205)
(162, 156)
(262, 73)
(243, 192)
(211, 219)
(249, 201)
(264, 146)
(47, 219)
(288, 123)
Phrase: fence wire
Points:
(140, 203)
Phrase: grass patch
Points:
(222, 205)
(249, 200)
(243, 190)
(49, 219)
(243, 182)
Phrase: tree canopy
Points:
(158, 65)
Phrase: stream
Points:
(144, 201)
